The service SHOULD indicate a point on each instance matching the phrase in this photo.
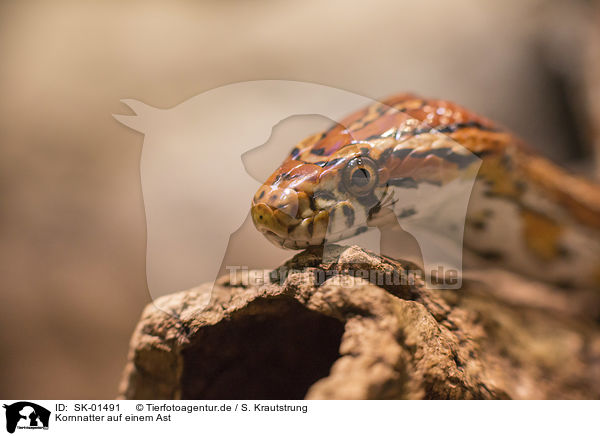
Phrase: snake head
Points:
(336, 183)
(305, 203)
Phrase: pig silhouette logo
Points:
(198, 189)
(26, 415)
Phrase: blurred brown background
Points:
(72, 223)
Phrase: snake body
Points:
(524, 211)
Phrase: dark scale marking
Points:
(372, 137)
(401, 153)
(382, 108)
(491, 255)
(564, 283)
(461, 160)
(521, 186)
(332, 214)
(392, 109)
(563, 252)
(311, 200)
(374, 210)
(288, 176)
(440, 152)
(404, 182)
(262, 194)
(349, 214)
(421, 130)
(407, 212)
(325, 164)
(447, 129)
(333, 162)
(318, 151)
(325, 195)
(478, 224)
(305, 162)
(310, 226)
(362, 229)
(295, 152)
(384, 156)
(368, 200)
(507, 162)
(451, 128)
(405, 134)
(483, 153)
(364, 151)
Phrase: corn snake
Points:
(525, 212)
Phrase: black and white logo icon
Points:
(26, 415)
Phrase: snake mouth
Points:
(288, 231)
(309, 227)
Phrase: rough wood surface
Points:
(321, 331)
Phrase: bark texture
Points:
(349, 329)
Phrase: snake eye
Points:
(360, 176)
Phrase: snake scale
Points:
(524, 212)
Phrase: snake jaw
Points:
(306, 228)
(310, 227)
(293, 218)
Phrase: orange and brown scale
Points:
(337, 179)
(379, 135)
